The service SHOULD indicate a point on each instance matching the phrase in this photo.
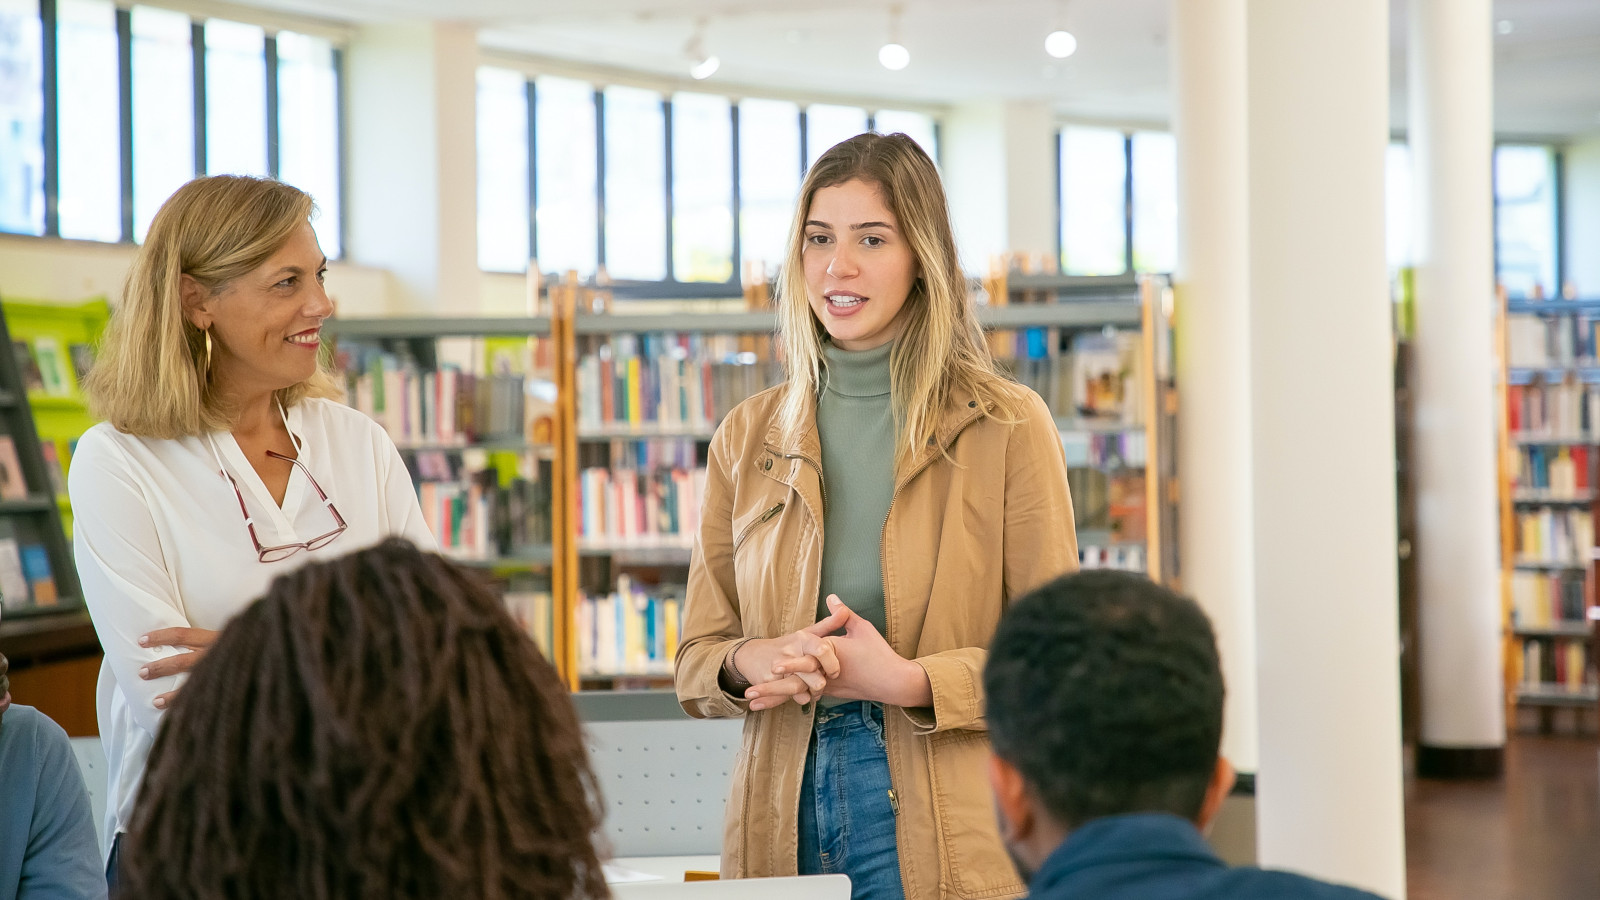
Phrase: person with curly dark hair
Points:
(1105, 716)
(376, 726)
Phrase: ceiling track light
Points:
(1060, 43)
(702, 65)
(893, 55)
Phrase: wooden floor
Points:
(1534, 835)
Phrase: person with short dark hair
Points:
(377, 726)
(1105, 712)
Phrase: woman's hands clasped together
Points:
(840, 656)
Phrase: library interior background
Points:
(1312, 289)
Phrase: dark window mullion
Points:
(1127, 203)
(52, 118)
(600, 174)
(197, 43)
(666, 129)
(533, 171)
(125, 114)
(270, 52)
(1061, 241)
(938, 158)
(736, 198)
(1558, 193)
(804, 156)
(340, 148)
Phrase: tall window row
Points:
(667, 188)
(1117, 201)
(105, 111)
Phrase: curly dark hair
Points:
(376, 726)
(1105, 691)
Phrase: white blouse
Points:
(160, 542)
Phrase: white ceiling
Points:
(1547, 76)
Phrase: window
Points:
(236, 99)
(827, 125)
(1525, 219)
(503, 211)
(916, 126)
(21, 118)
(564, 173)
(1155, 201)
(636, 185)
(702, 188)
(308, 130)
(163, 110)
(769, 179)
(88, 118)
(1094, 177)
(1397, 205)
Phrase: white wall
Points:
(50, 269)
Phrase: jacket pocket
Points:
(973, 861)
(755, 523)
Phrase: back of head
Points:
(376, 726)
(1104, 690)
(148, 377)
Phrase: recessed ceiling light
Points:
(1060, 44)
(1505, 26)
(894, 56)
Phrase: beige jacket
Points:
(963, 536)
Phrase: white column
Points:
(1582, 207)
(999, 176)
(413, 187)
(1212, 284)
(1452, 142)
(1329, 799)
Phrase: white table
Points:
(668, 883)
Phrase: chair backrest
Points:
(803, 887)
(664, 782)
(91, 756)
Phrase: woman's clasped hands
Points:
(841, 656)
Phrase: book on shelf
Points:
(1544, 470)
(666, 380)
(52, 468)
(1546, 599)
(648, 494)
(633, 630)
(1550, 341)
(53, 366)
(1557, 662)
(27, 366)
(529, 601)
(36, 569)
(479, 511)
(1104, 450)
(82, 356)
(1127, 557)
(1554, 536)
(12, 485)
(1105, 383)
(1567, 408)
(14, 593)
(453, 403)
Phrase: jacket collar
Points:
(1133, 838)
(959, 412)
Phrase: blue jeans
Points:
(847, 816)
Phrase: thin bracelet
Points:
(733, 667)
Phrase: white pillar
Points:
(413, 193)
(999, 176)
(1213, 345)
(1452, 142)
(1329, 798)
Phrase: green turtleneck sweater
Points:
(856, 427)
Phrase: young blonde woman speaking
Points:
(864, 525)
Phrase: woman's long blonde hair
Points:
(150, 377)
(941, 348)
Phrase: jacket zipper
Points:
(765, 517)
(822, 483)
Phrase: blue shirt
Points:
(1156, 856)
(48, 848)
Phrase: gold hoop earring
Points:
(205, 364)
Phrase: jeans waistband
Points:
(844, 715)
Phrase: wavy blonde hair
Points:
(150, 376)
(941, 348)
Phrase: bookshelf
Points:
(620, 437)
(1549, 503)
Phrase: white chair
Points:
(665, 783)
(92, 762)
(804, 887)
